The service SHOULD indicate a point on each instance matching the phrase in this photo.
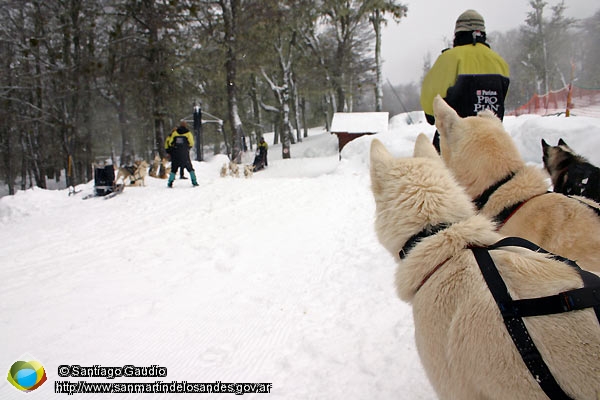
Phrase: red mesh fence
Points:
(583, 102)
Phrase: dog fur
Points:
(460, 335)
(233, 169)
(155, 167)
(223, 172)
(135, 178)
(248, 171)
(571, 174)
(159, 168)
(165, 169)
(479, 152)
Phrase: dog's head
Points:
(558, 158)
(570, 172)
(413, 193)
(476, 149)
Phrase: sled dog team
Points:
(135, 175)
(233, 169)
(496, 316)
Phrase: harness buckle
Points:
(568, 302)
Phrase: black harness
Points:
(595, 209)
(429, 230)
(503, 216)
(513, 311)
(483, 198)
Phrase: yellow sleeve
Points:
(440, 77)
(190, 138)
(168, 141)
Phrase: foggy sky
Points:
(429, 27)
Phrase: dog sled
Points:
(259, 160)
(104, 182)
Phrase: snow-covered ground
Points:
(275, 279)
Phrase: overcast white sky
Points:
(430, 24)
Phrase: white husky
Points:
(486, 162)
(460, 333)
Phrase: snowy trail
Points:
(205, 282)
(278, 278)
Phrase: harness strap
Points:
(517, 329)
(508, 212)
(483, 198)
(596, 210)
(412, 241)
(433, 271)
(576, 299)
(586, 297)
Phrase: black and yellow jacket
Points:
(182, 137)
(179, 141)
(470, 78)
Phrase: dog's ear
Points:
(489, 114)
(379, 154)
(445, 116)
(561, 142)
(545, 152)
(545, 145)
(380, 159)
(424, 148)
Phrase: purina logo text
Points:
(487, 99)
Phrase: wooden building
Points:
(349, 126)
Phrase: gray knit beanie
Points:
(468, 21)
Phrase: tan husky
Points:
(461, 338)
(159, 168)
(134, 175)
(486, 162)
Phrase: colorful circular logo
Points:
(26, 375)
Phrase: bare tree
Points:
(347, 20)
(546, 42)
(230, 10)
(377, 17)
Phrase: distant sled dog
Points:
(571, 173)
(134, 175)
(159, 168)
(233, 169)
(248, 171)
(427, 222)
(486, 162)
